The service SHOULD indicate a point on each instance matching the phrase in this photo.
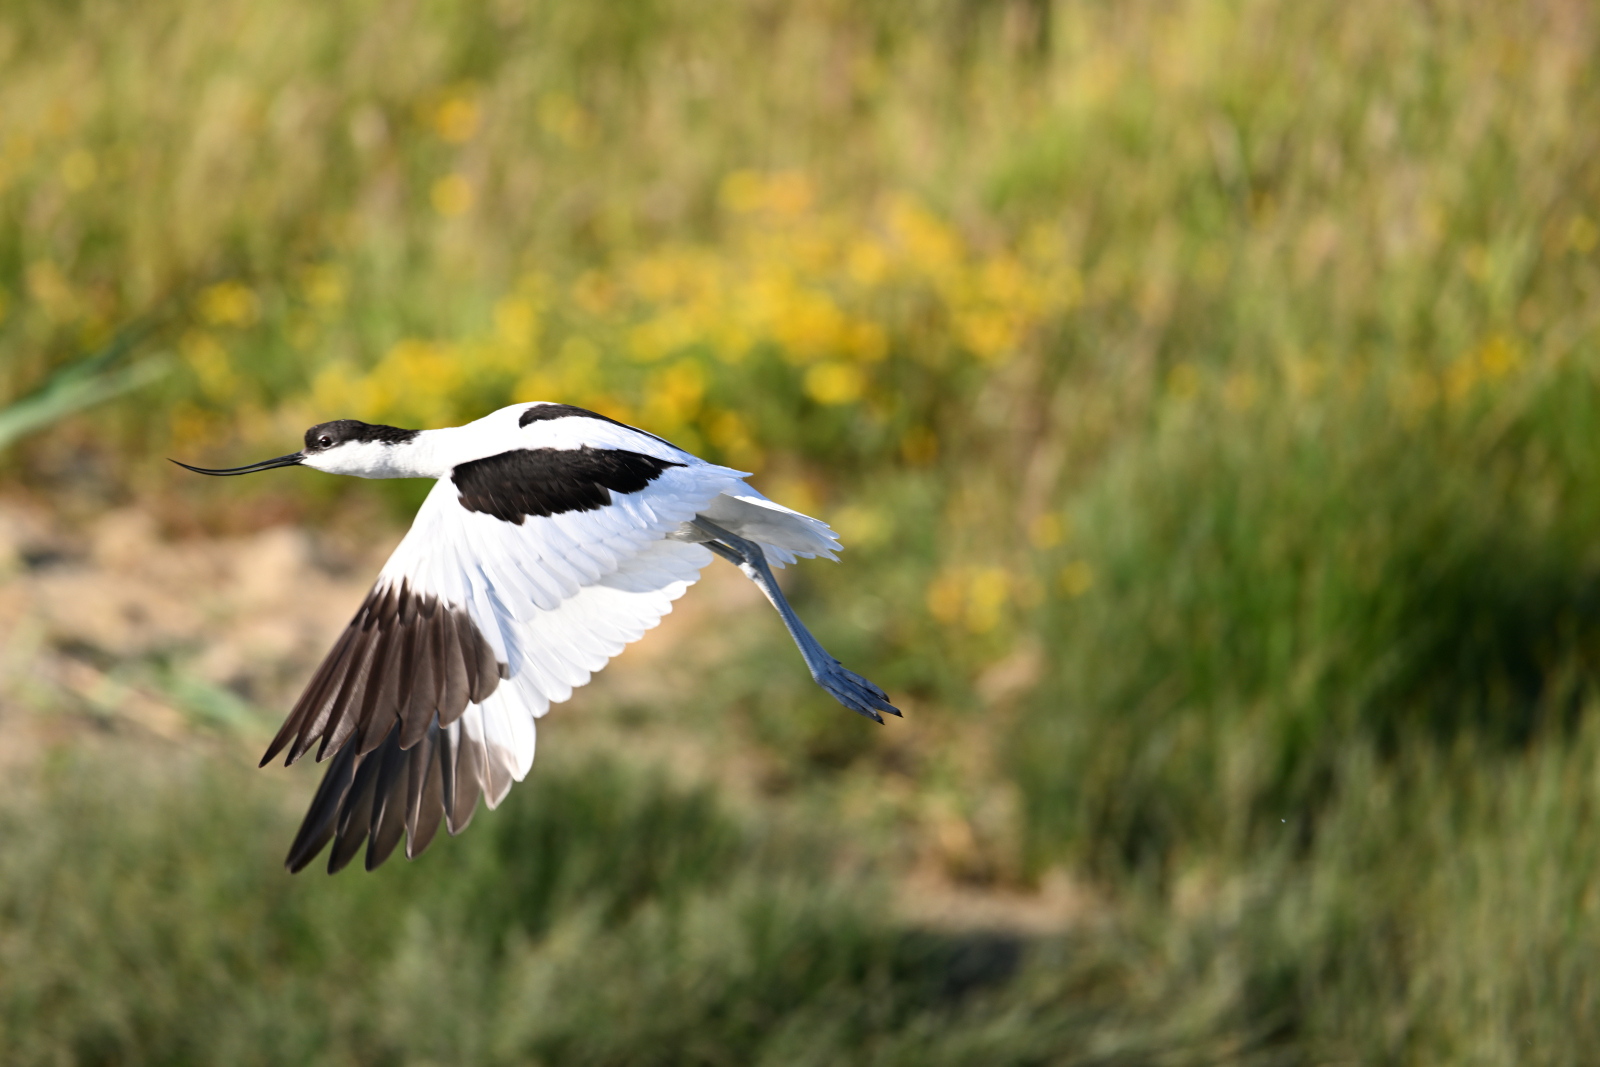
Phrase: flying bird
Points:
(553, 536)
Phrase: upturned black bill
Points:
(293, 459)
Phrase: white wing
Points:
(475, 626)
(782, 533)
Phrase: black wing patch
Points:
(550, 412)
(551, 481)
(391, 791)
(406, 659)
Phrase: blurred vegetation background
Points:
(1206, 392)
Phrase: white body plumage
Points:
(552, 538)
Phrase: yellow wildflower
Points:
(456, 120)
(741, 191)
(515, 322)
(990, 335)
(867, 263)
(229, 304)
(867, 341)
(452, 195)
(1499, 357)
(1047, 531)
(986, 598)
(947, 595)
(834, 383)
(324, 286)
(210, 363)
(862, 526)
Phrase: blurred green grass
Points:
(605, 917)
(1231, 363)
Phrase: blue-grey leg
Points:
(845, 686)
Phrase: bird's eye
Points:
(325, 441)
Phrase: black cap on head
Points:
(326, 435)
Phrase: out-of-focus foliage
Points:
(744, 346)
(78, 385)
(1206, 391)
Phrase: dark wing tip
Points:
(322, 817)
(273, 749)
(389, 795)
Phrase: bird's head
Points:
(344, 446)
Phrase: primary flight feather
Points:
(552, 538)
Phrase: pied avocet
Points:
(552, 538)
